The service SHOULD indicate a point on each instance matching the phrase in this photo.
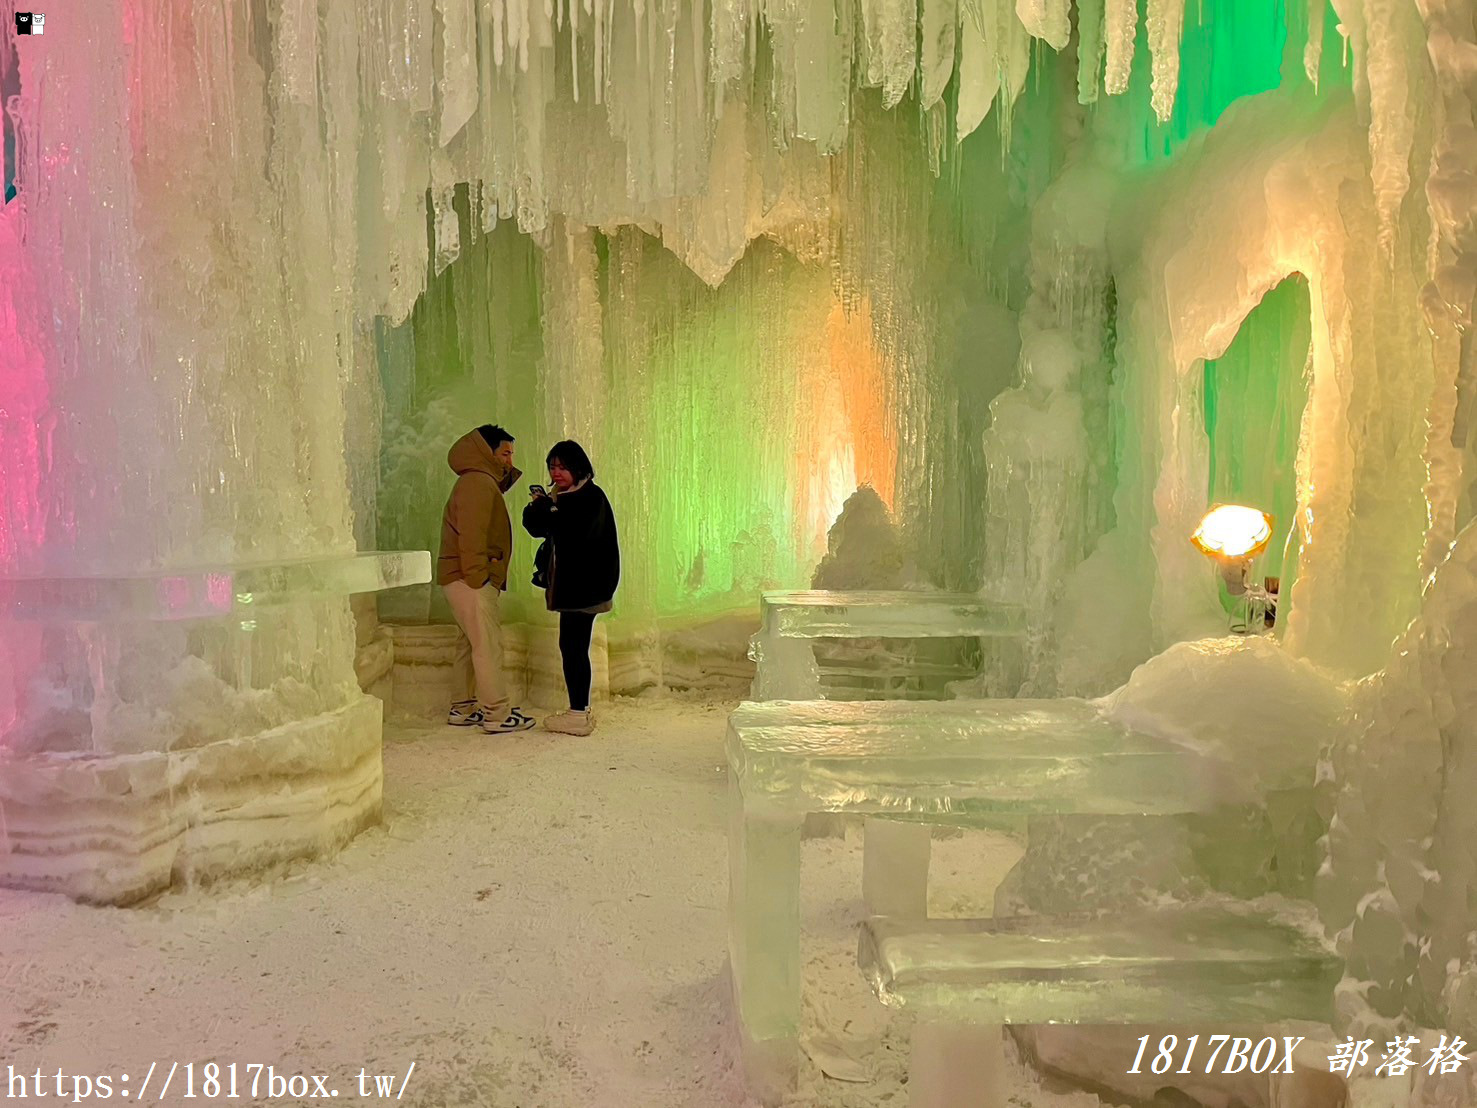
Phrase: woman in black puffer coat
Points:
(579, 566)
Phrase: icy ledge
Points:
(118, 829)
(205, 592)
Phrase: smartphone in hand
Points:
(536, 490)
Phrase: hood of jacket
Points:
(470, 453)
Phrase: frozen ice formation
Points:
(1398, 883)
(1197, 693)
(264, 261)
(178, 354)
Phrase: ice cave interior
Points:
(993, 298)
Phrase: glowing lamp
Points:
(1232, 535)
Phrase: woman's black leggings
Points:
(575, 629)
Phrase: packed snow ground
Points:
(539, 922)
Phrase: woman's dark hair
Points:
(494, 435)
(574, 458)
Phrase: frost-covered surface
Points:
(540, 922)
(1242, 698)
(1398, 883)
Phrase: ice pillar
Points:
(176, 647)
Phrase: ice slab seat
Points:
(1202, 963)
(1224, 965)
(166, 736)
(935, 761)
(208, 592)
(782, 652)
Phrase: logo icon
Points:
(29, 23)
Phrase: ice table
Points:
(935, 761)
(207, 592)
(785, 664)
(1220, 963)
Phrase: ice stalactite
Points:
(1090, 49)
(1050, 20)
(1165, 20)
(1313, 51)
(731, 35)
(939, 27)
(1010, 45)
(890, 36)
(1385, 33)
(1120, 26)
(979, 75)
(811, 83)
(483, 93)
(1449, 299)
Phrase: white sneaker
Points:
(464, 714)
(570, 723)
(516, 721)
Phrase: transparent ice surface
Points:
(786, 667)
(812, 614)
(962, 759)
(178, 594)
(1217, 963)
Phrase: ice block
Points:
(1217, 962)
(887, 614)
(957, 759)
(785, 661)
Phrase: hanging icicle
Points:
(1313, 51)
(1089, 49)
(939, 24)
(1164, 22)
(1048, 20)
(979, 77)
(1120, 28)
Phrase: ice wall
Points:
(731, 411)
(1398, 883)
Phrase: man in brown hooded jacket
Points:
(476, 547)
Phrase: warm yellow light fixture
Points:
(1232, 535)
(1233, 531)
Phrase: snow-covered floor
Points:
(539, 922)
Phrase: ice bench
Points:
(788, 622)
(1221, 963)
(951, 762)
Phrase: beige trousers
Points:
(477, 673)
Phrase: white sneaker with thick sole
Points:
(570, 723)
(464, 714)
(516, 721)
